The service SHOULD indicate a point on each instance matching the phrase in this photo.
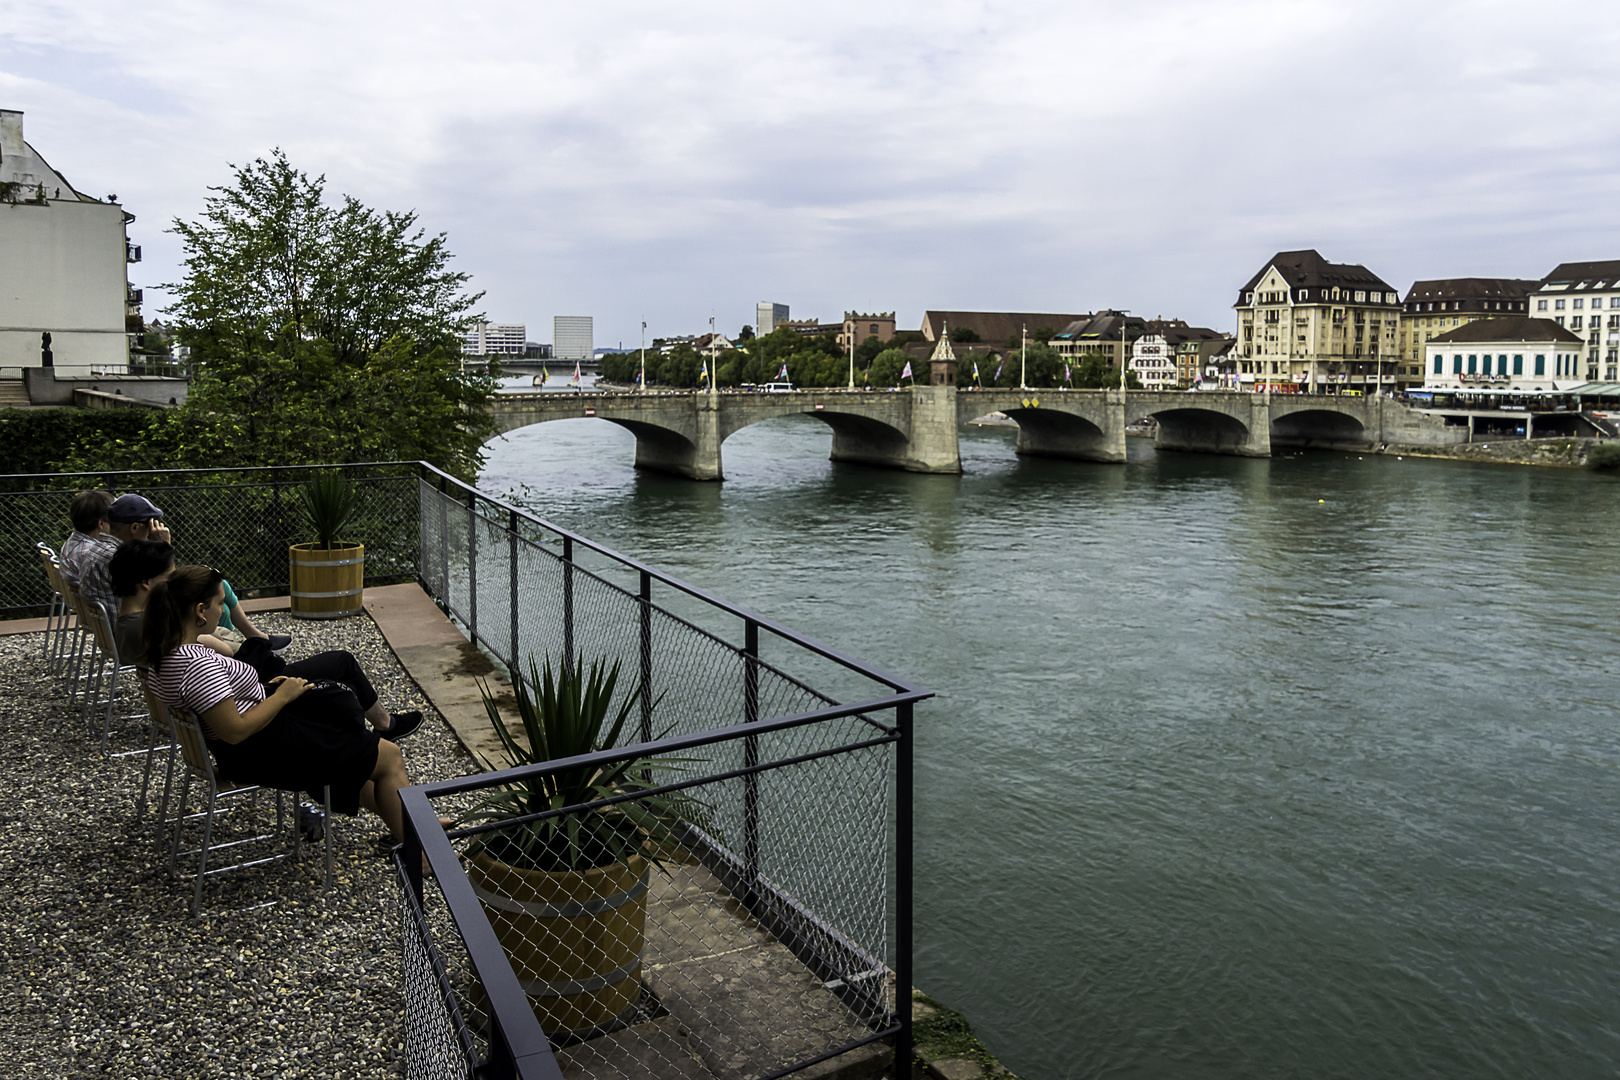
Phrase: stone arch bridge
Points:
(916, 428)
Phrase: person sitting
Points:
(88, 512)
(138, 565)
(296, 733)
(134, 517)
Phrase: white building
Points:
(495, 339)
(572, 337)
(768, 316)
(63, 264)
(1584, 298)
(1512, 355)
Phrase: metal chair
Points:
(187, 731)
(103, 628)
(62, 635)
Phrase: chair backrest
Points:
(53, 569)
(182, 724)
(101, 626)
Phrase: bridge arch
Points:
(1206, 430)
(1318, 427)
(855, 437)
(1048, 432)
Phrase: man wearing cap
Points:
(134, 517)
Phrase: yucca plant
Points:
(330, 500)
(570, 713)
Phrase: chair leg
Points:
(326, 828)
(202, 852)
(179, 824)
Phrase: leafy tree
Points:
(866, 352)
(966, 335)
(886, 367)
(1043, 334)
(746, 333)
(318, 333)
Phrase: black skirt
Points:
(319, 738)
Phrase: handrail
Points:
(892, 681)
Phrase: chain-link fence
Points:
(239, 520)
(745, 915)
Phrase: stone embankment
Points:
(1564, 452)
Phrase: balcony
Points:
(778, 932)
(132, 252)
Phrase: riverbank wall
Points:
(1564, 452)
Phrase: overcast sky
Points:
(677, 161)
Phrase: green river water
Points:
(1299, 767)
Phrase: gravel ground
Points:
(102, 971)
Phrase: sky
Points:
(677, 162)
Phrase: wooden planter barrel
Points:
(326, 583)
(575, 938)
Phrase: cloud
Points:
(681, 161)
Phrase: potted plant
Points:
(567, 896)
(327, 577)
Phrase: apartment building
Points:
(573, 337)
(1305, 323)
(64, 262)
(495, 339)
(1584, 298)
(1432, 308)
(768, 316)
(1110, 333)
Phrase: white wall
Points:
(62, 269)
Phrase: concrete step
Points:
(12, 394)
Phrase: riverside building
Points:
(572, 337)
(1434, 307)
(64, 260)
(1512, 355)
(1584, 298)
(1305, 324)
(495, 339)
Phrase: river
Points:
(1296, 767)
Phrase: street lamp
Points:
(1122, 313)
(642, 386)
(1023, 357)
(850, 333)
(713, 380)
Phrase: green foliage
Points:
(966, 335)
(319, 333)
(887, 366)
(43, 440)
(940, 1032)
(566, 719)
(330, 501)
(1604, 456)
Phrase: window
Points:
(1361, 296)
(1541, 305)
(1558, 305)
(1473, 361)
(1456, 364)
(1541, 362)
(1575, 321)
(1304, 295)
(1578, 303)
(1559, 319)
(1518, 363)
(1437, 362)
(1248, 298)
(1501, 364)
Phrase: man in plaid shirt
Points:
(91, 534)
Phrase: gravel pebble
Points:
(102, 971)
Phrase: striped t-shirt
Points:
(196, 677)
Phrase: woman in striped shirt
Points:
(289, 733)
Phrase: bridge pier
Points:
(1210, 432)
(661, 449)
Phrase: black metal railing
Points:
(777, 932)
(239, 520)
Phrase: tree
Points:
(966, 335)
(320, 332)
(886, 368)
(746, 333)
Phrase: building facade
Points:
(859, 327)
(64, 260)
(1584, 298)
(1305, 324)
(495, 339)
(1109, 333)
(1434, 307)
(572, 337)
(768, 316)
(1513, 355)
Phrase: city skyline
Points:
(673, 165)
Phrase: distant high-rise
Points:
(572, 337)
(494, 339)
(768, 316)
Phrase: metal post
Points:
(568, 604)
(852, 354)
(472, 566)
(444, 545)
(646, 656)
(512, 552)
(902, 888)
(751, 754)
(1023, 361)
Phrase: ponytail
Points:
(169, 606)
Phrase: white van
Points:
(776, 388)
